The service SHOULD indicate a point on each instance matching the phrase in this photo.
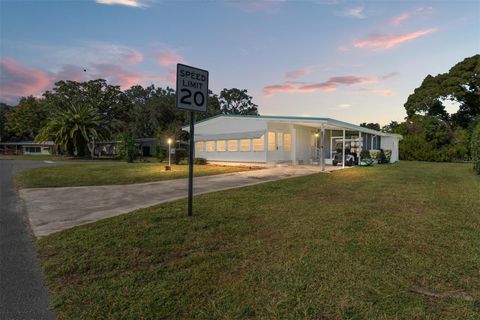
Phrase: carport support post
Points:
(343, 149)
(360, 147)
(322, 148)
(190, 163)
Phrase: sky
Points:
(352, 61)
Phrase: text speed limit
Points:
(192, 88)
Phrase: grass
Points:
(109, 173)
(346, 245)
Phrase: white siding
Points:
(223, 125)
(390, 143)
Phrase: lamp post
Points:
(316, 145)
(169, 152)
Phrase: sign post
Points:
(191, 95)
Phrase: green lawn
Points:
(108, 173)
(346, 245)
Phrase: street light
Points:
(169, 151)
(316, 145)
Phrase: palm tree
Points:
(71, 128)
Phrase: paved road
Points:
(55, 209)
(22, 292)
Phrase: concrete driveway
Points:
(54, 209)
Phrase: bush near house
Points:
(160, 152)
(127, 149)
(475, 148)
(200, 161)
(180, 154)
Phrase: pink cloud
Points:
(19, 80)
(168, 58)
(270, 90)
(327, 86)
(295, 74)
(380, 92)
(389, 41)
(134, 56)
(399, 19)
(116, 75)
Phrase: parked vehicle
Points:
(351, 158)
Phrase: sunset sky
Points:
(353, 61)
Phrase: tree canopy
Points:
(460, 85)
(72, 112)
(430, 132)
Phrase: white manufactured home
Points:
(284, 139)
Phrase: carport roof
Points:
(307, 121)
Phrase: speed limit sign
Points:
(192, 95)
(192, 88)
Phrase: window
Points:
(280, 140)
(259, 144)
(32, 149)
(232, 145)
(221, 145)
(271, 141)
(287, 145)
(199, 146)
(210, 146)
(245, 145)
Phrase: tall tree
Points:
(24, 121)
(236, 101)
(461, 85)
(4, 109)
(371, 125)
(72, 127)
(110, 102)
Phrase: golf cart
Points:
(351, 158)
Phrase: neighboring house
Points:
(279, 139)
(27, 148)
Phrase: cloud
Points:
(169, 58)
(344, 106)
(134, 56)
(107, 52)
(18, 80)
(326, 86)
(389, 75)
(252, 6)
(380, 92)
(128, 3)
(295, 74)
(399, 19)
(389, 41)
(353, 12)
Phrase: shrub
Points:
(200, 161)
(160, 152)
(180, 154)
(388, 155)
(381, 158)
(127, 148)
(475, 148)
(365, 154)
(374, 154)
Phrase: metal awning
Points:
(230, 136)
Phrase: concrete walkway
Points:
(22, 291)
(54, 209)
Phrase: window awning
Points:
(230, 136)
